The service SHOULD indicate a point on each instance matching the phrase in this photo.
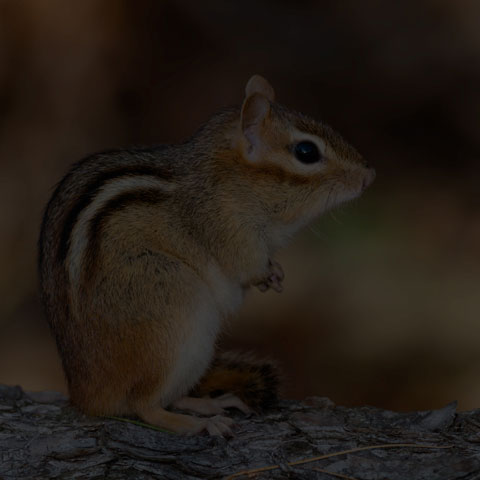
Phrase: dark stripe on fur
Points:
(91, 190)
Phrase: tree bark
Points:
(42, 436)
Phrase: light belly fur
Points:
(214, 302)
(195, 351)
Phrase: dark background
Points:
(381, 302)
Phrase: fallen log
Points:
(43, 437)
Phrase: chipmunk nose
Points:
(369, 177)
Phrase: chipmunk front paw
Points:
(273, 279)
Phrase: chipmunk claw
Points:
(274, 279)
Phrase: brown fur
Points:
(144, 252)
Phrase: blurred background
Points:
(381, 302)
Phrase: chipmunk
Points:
(144, 253)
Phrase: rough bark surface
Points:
(41, 436)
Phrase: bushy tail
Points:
(255, 381)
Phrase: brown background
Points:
(381, 302)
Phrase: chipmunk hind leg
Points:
(211, 406)
(184, 424)
(184, 342)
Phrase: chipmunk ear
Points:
(255, 114)
(255, 111)
(258, 84)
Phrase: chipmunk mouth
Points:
(354, 183)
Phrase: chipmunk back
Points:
(144, 253)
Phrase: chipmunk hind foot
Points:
(253, 380)
(186, 424)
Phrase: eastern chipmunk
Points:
(145, 252)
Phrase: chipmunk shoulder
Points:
(144, 253)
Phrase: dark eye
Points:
(307, 152)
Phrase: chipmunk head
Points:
(309, 166)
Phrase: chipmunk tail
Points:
(254, 380)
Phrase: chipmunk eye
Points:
(307, 152)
